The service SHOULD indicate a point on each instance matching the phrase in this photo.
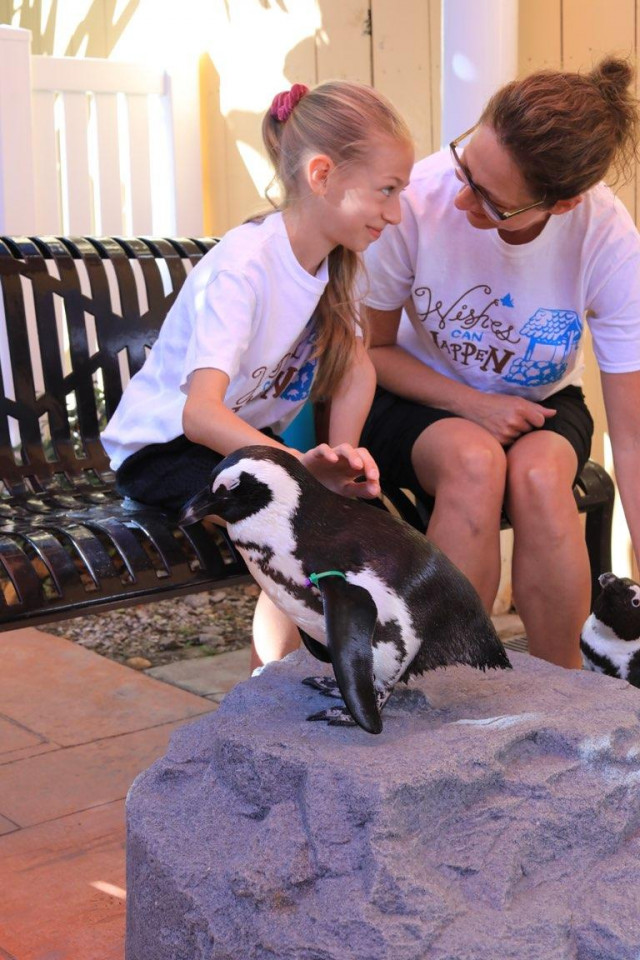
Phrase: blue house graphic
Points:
(553, 335)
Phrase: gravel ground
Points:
(153, 634)
(200, 625)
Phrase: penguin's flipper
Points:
(315, 648)
(350, 620)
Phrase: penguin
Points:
(368, 593)
(610, 638)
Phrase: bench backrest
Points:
(77, 319)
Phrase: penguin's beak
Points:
(201, 505)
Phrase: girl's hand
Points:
(350, 471)
(507, 417)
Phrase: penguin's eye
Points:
(635, 602)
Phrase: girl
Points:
(267, 318)
(508, 242)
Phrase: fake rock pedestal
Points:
(497, 815)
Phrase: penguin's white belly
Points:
(302, 615)
(604, 641)
(389, 659)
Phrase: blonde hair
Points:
(343, 120)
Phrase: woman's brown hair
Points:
(567, 130)
(343, 120)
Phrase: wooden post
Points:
(17, 197)
(479, 54)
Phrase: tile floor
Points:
(75, 730)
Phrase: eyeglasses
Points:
(463, 175)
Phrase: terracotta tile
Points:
(34, 751)
(7, 826)
(13, 736)
(54, 785)
(63, 886)
(70, 695)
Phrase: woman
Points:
(507, 242)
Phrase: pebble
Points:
(138, 663)
(196, 600)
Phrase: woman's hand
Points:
(506, 417)
(350, 471)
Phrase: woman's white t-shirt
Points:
(509, 318)
(247, 309)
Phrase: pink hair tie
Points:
(283, 103)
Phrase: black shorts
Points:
(168, 474)
(394, 425)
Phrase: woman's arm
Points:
(505, 417)
(622, 402)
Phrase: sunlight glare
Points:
(109, 888)
(45, 12)
(621, 547)
(258, 167)
(263, 38)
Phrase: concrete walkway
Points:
(75, 730)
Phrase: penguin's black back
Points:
(334, 532)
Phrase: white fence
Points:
(96, 147)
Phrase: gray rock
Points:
(497, 815)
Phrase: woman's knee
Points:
(460, 456)
(539, 489)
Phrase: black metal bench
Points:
(79, 318)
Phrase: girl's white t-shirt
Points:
(509, 318)
(247, 309)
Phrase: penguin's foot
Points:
(326, 685)
(335, 717)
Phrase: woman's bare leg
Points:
(464, 467)
(551, 573)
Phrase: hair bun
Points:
(283, 103)
(612, 76)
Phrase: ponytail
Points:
(340, 119)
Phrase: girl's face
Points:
(361, 199)
(492, 168)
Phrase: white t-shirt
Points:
(246, 309)
(509, 318)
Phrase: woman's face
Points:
(492, 168)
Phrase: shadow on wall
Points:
(95, 36)
(237, 174)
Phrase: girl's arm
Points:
(349, 407)
(622, 402)
(206, 420)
